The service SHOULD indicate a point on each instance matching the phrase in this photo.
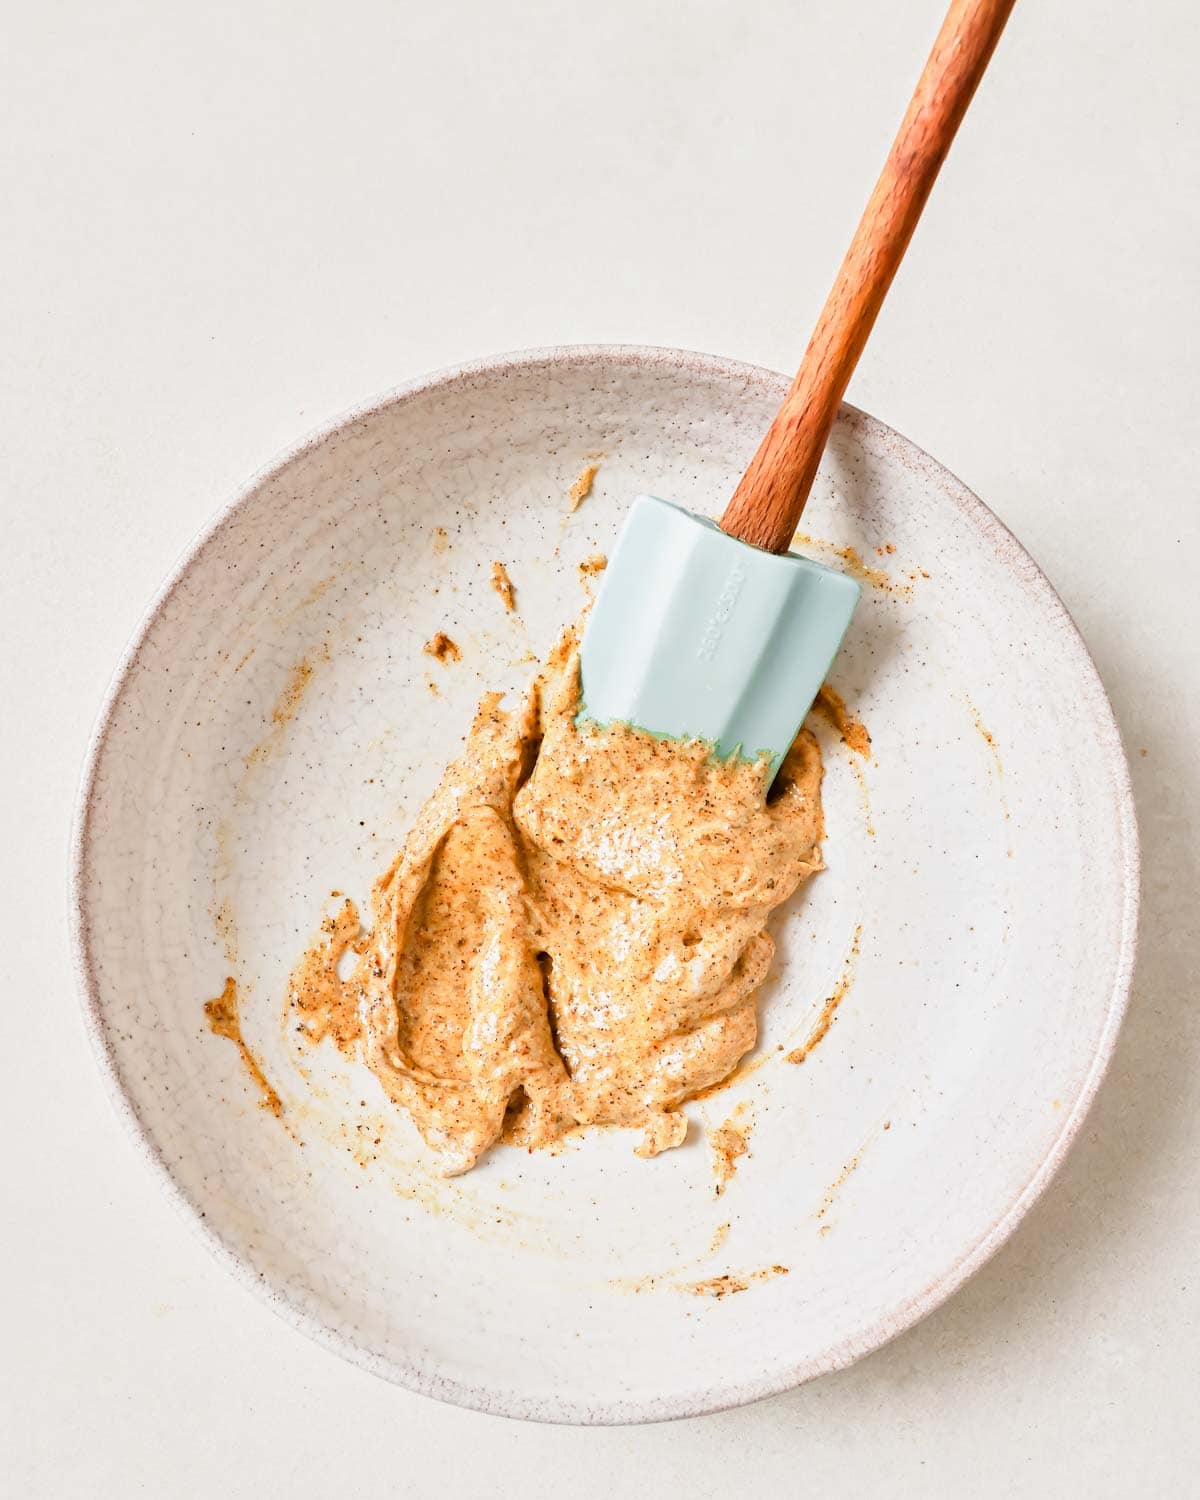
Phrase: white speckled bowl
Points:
(987, 851)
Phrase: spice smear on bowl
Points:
(574, 931)
(582, 486)
(222, 1017)
(503, 585)
(442, 648)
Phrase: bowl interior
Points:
(277, 724)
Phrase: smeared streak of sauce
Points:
(441, 540)
(731, 1281)
(287, 705)
(989, 737)
(226, 924)
(840, 1180)
(582, 487)
(846, 1173)
(864, 792)
(224, 913)
(720, 1235)
(825, 1019)
(318, 589)
(715, 1287)
(503, 585)
(589, 569)
(853, 559)
(293, 694)
(323, 1005)
(989, 740)
(442, 648)
(727, 1143)
(245, 658)
(739, 1074)
(223, 1021)
(832, 706)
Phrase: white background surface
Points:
(222, 224)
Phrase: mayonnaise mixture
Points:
(573, 933)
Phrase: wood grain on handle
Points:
(767, 504)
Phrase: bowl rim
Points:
(876, 1333)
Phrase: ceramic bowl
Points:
(276, 723)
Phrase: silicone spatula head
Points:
(719, 633)
(696, 635)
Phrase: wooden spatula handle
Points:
(768, 502)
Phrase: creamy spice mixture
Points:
(573, 933)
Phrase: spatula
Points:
(717, 632)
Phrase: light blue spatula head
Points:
(696, 635)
